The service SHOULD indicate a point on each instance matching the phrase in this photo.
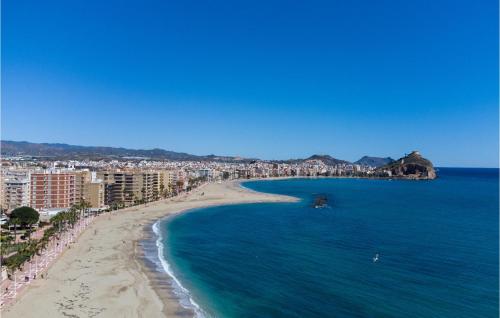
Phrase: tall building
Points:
(15, 189)
(82, 181)
(96, 194)
(121, 187)
(165, 182)
(89, 188)
(52, 190)
(129, 187)
(150, 186)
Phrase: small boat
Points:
(375, 258)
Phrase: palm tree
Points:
(72, 217)
(76, 207)
(162, 190)
(79, 207)
(58, 221)
(85, 205)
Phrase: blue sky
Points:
(264, 79)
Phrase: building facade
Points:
(15, 191)
(96, 195)
(52, 190)
(130, 187)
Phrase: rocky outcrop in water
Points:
(412, 166)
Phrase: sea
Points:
(379, 248)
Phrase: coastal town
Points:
(46, 203)
(53, 186)
(253, 159)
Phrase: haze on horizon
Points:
(273, 80)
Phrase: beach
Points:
(104, 274)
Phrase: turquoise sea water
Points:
(437, 243)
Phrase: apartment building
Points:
(165, 182)
(52, 190)
(89, 188)
(15, 190)
(129, 187)
(96, 194)
(151, 186)
(82, 180)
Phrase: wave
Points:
(185, 298)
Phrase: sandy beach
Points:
(104, 275)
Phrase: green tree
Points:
(26, 215)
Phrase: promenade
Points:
(37, 268)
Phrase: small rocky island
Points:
(320, 202)
(412, 166)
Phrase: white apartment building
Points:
(15, 189)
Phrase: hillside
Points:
(328, 160)
(374, 161)
(65, 151)
(412, 166)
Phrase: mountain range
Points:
(60, 151)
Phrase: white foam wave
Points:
(183, 293)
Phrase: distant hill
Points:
(412, 166)
(374, 161)
(328, 160)
(65, 151)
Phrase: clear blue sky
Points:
(256, 78)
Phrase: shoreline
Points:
(162, 280)
(106, 273)
(159, 280)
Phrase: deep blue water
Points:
(437, 243)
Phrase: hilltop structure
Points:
(412, 166)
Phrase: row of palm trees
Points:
(61, 222)
(64, 221)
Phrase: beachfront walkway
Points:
(37, 268)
